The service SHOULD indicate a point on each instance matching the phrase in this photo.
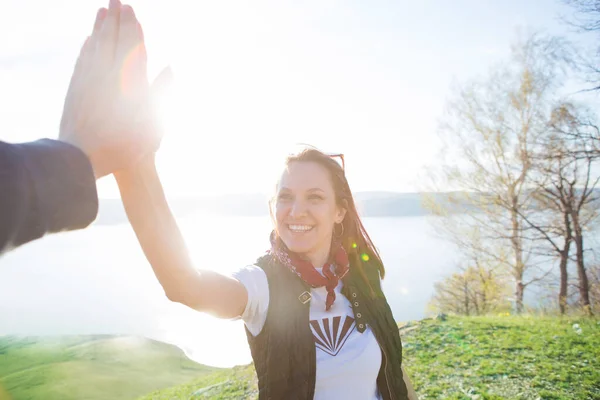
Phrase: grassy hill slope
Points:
(505, 358)
(473, 358)
(91, 367)
(467, 358)
(236, 383)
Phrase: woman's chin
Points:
(298, 246)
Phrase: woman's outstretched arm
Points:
(161, 240)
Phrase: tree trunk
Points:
(519, 296)
(584, 287)
(483, 284)
(466, 293)
(519, 267)
(562, 295)
(475, 302)
(484, 305)
(564, 260)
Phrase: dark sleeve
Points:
(46, 186)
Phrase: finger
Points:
(108, 34)
(162, 83)
(93, 38)
(84, 53)
(130, 36)
(141, 61)
(79, 63)
(147, 120)
(152, 122)
(100, 16)
(131, 55)
(143, 55)
(72, 91)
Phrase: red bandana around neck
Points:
(307, 272)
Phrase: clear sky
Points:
(366, 78)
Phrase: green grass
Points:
(462, 358)
(236, 383)
(91, 367)
(468, 358)
(505, 358)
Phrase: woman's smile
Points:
(300, 228)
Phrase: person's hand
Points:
(108, 111)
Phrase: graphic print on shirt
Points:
(331, 333)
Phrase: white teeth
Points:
(300, 228)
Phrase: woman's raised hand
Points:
(109, 109)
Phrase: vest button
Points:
(353, 294)
(304, 297)
(356, 303)
(358, 315)
(361, 326)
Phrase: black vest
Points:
(284, 352)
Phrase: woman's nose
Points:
(298, 209)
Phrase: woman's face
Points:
(306, 210)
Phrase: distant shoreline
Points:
(370, 204)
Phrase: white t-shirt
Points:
(348, 361)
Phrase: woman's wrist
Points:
(144, 168)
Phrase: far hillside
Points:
(370, 204)
(91, 367)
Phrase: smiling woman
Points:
(315, 299)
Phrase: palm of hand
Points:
(108, 110)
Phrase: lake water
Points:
(97, 281)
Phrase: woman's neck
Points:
(319, 257)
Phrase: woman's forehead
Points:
(305, 176)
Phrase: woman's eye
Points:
(315, 197)
(284, 196)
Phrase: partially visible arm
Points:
(412, 395)
(165, 249)
(46, 186)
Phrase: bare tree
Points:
(489, 131)
(586, 19)
(587, 14)
(474, 290)
(563, 193)
(452, 295)
(579, 155)
(594, 275)
(550, 216)
(578, 126)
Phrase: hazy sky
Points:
(366, 78)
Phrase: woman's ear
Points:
(342, 210)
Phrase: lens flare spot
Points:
(131, 69)
(364, 256)
(354, 245)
